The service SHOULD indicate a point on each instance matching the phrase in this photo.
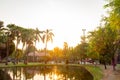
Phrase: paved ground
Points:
(110, 74)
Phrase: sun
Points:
(50, 46)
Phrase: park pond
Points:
(45, 73)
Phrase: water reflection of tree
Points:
(76, 73)
(4, 75)
(66, 72)
(51, 72)
(30, 72)
(16, 72)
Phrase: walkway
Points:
(109, 74)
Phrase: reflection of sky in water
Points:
(51, 76)
(39, 77)
(21, 77)
(47, 73)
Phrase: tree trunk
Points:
(45, 48)
(7, 52)
(113, 63)
(34, 54)
(105, 65)
(45, 52)
(26, 56)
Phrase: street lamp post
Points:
(84, 35)
(84, 42)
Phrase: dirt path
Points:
(109, 74)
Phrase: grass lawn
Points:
(118, 65)
(22, 65)
(94, 70)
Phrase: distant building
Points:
(36, 56)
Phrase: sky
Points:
(66, 18)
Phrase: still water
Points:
(45, 73)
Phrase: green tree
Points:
(7, 45)
(113, 19)
(29, 41)
(15, 34)
(47, 36)
(37, 37)
(1, 24)
(102, 43)
(65, 51)
(57, 54)
(24, 34)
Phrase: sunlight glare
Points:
(55, 77)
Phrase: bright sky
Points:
(66, 18)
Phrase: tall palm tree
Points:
(29, 41)
(15, 31)
(37, 37)
(6, 44)
(4, 39)
(15, 35)
(23, 37)
(48, 36)
(1, 25)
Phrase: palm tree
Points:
(48, 36)
(37, 37)
(15, 35)
(23, 37)
(1, 25)
(5, 42)
(29, 40)
(4, 39)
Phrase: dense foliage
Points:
(12, 35)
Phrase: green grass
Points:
(94, 70)
(23, 65)
(118, 65)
